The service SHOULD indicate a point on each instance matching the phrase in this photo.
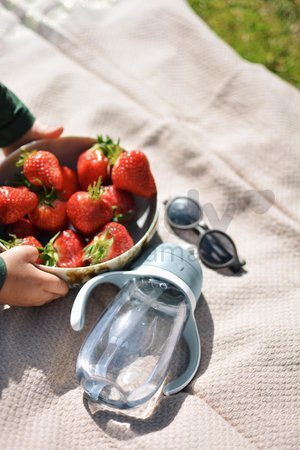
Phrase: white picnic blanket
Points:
(153, 74)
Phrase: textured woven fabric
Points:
(213, 126)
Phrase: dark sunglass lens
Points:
(183, 212)
(216, 248)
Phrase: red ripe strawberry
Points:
(132, 173)
(15, 203)
(22, 228)
(88, 211)
(50, 217)
(29, 240)
(64, 250)
(93, 163)
(41, 168)
(131, 170)
(70, 183)
(112, 241)
(122, 203)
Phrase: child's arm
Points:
(15, 118)
(18, 125)
(23, 284)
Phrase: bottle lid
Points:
(180, 262)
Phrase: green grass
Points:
(262, 31)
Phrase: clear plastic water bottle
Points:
(126, 357)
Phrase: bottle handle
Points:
(77, 318)
(192, 338)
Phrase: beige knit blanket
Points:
(153, 74)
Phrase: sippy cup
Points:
(126, 357)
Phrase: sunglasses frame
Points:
(235, 263)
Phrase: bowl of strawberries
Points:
(88, 205)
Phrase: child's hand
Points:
(37, 131)
(25, 284)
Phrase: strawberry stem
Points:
(110, 149)
(49, 255)
(47, 197)
(13, 242)
(95, 190)
(98, 250)
(24, 156)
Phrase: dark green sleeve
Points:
(2, 272)
(15, 118)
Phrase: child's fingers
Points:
(37, 131)
(55, 285)
(29, 252)
(50, 283)
(25, 284)
(25, 253)
(43, 131)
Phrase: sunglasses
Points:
(216, 249)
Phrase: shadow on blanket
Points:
(38, 343)
(123, 427)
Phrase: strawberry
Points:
(93, 164)
(22, 228)
(29, 240)
(88, 211)
(122, 203)
(70, 183)
(132, 173)
(112, 241)
(50, 217)
(15, 203)
(131, 170)
(41, 168)
(64, 250)
(50, 214)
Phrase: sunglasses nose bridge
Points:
(201, 227)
